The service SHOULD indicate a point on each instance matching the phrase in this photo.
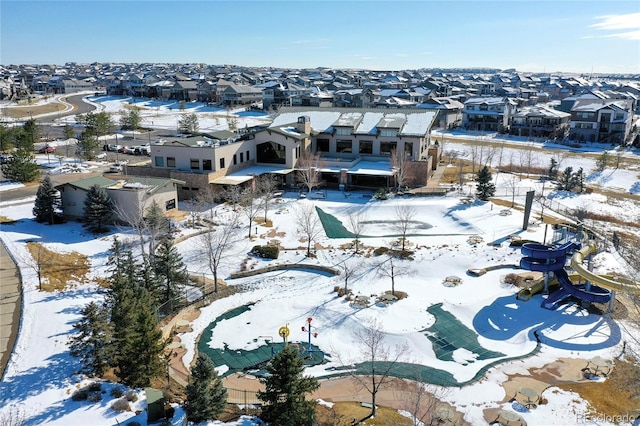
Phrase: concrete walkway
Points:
(10, 307)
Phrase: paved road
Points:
(10, 307)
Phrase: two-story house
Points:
(601, 120)
(539, 121)
(491, 114)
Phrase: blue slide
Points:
(542, 258)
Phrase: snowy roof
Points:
(415, 122)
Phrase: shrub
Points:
(120, 405)
(94, 396)
(381, 194)
(265, 252)
(116, 392)
(80, 395)
(380, 251)
(94, 386)
(131, 396)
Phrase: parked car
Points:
(111, 147)
(47, 149)
(129, 150)
(101, 156)
(115, 168)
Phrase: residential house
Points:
(601, 120)
(449, 111)
(131, 196)
(488, 114)
(235, 94)
(539, 121)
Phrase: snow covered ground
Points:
(40, 376)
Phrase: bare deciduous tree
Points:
(401, 168)
(423, 401)
(350, 270)
(404, 221)
(206, 199)
(393, 268)
(266, 186)
(40, 259)
(250, 206)
(511, 182)
(308, 167)
(217, 242)
(308, 223)
(379, 359)
(356, 219)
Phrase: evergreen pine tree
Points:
(284, 398)
(206, 397)
(139, 357)
(92, 343)
(564, 181)
(170, 269)
(98, 210)
(577, 181)
(158, 225)
(485, 188)
(21, 167)
(47, 202)
(553, 169)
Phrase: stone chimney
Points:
(304, 124)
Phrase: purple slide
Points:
(542, 258)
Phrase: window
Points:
(242, 157)
(195, 164)
(206, 165)
(343, 131)
(171, 161)
(470, 107)
(170, 204)
(585, 114)
(408, 148)
(343, 145)
(323, 145)
(159, 161)
(389, 132)
(248, 158)
(222, 163)
(387, 147)
(366, 147)
(235, 159)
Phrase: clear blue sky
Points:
(543, 35)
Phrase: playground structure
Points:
(546, 259)
(595, 288)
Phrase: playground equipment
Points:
(542, 258)
(308, 328)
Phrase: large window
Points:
(408, 148)
(344, 145)
(366, 147)
(323, 145)
(195, 164)
(391, 133)
(342, 131)
(387, 147)
(159, 161)
(171, 161)
(206, 164)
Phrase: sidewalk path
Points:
(10, 307)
